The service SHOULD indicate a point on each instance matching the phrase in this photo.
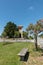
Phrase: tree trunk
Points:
(36, 41)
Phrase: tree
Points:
(38, 27)
(25, 34)
(3, 34)
(16, 34)
(10, 29)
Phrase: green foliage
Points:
(30, 27)
(38, 27)
(25, 34)
(10, 28)
(4, 34)
(30, 37)
(16, 34)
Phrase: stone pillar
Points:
(20, 30)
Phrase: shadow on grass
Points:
(39, 50)
(25, 58)
(6, 43)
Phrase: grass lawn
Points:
(9, 51)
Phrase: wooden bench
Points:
(23, 53)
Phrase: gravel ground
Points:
(39, 41)
(15, 40)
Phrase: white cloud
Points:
(31, 8)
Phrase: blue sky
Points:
(21, 12)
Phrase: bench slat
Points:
(23, 52)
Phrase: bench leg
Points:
(22, 58)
